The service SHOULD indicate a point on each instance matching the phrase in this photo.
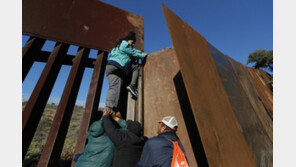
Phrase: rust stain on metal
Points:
(134, 20)
(160, 97)
(252, 129)
(56, 137)
(267, 79)
(220, 131)
(131, 107)
(33, 111)
(264, 88)
(30, 52)
(87, 23)
(92, 102)
(44, 55)
(253, 94)
(140, 100)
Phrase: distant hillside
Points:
(41, 134)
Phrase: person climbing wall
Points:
(121, 63)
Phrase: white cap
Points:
(170, 121)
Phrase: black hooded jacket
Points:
(128, 146)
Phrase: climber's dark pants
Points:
(134, 70)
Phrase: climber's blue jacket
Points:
(124, 53)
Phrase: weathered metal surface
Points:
(56, 137)
(140, 100)
(161, 99)
(254, 95)
(92, 102)
(220, 132)
(68, 60)
(131, 107)
(127, 104)
(30, 52)
(33, 111)
(262, 86)
(252, 129)
(87, 23)
(267, 79)
(135, 106)
(190, 122)
(262, 93)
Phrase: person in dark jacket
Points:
(158, 151)
(128, 144)
(99, 149)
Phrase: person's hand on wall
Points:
(144, 59)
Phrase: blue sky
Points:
(235, 27)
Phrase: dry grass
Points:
(42, 131)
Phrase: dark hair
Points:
(135, 127)
(131, 36)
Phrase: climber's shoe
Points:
(133, 91)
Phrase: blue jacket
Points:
(158, 151)
(99, 149)
(124, 53)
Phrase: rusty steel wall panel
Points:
(254, 96)
(160, 97)
(252, 129)
(30, 52)
(262, 86)
(34, 109)
(131, 107)
(220, 132)
(135, 106)
(87, 23)
(261, 90)
(57, 134)
(92, 102)
(44, 55)
(267, 79)
(140, 100)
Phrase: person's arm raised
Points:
(114, 134)
(118, 118)
(126, 48)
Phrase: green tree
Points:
(262, 59)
